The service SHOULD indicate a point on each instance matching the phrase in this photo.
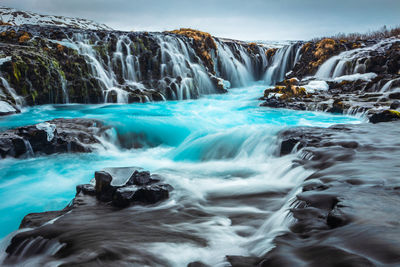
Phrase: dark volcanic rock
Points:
(385, 116)
(55, 136)
(348, 212)
(139, 178)
(125, 186)
(104, 190)
(395, 104)
(152, 194)
(92, 225)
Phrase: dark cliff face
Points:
(45, 64)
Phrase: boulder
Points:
(385, 116)
(104, 189)
(125, 186)
(139, 178)
(152, 194)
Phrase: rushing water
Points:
(209, 149)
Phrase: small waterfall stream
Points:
(351, 61)
(283, 61)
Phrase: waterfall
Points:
(180, 66)
(283, 61)
(351, 61)
(234, 64)
(19, 101)
(125, 67)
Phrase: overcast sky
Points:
(238, 19)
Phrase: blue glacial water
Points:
(211, 145)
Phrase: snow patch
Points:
(6, 107)
(4, 60)
(17, 18)
(354, 77)
(315, 86)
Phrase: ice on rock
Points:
(354, 77)
(6, 107)
(49, 128)
(315, 86)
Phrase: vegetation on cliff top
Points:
(382, 33)
(203, 42)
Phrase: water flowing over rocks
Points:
(55, 136)
(306, 196)
(340, 76)
(96, 66)
(341, 215)
(94, 206)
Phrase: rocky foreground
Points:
(347, 213)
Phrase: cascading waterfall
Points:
(188, 78)
(230, 68)
(181, 74)
(17, 100)
(283, 61)
(351, 62)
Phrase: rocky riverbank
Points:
(342, 76)
(55, 136)
(97, 209)
(347, 213)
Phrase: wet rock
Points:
(56, 136)
(122, 197)
(104, 190)
(87, 189)
(152, 194)
(139, 178)
(287, 146)
(337, 107)
(385, 116)
(342, 216)
(273, 103)
(395, 104)
(125, 186)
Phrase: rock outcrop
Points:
(97, 213)
(55, 136)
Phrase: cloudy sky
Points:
(239, 19)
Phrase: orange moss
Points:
(9, 34)
(289, 90)
(60, 48)
(2, 23)
(323, 50)
(305, 47)
(204, 43)
(271, 52)
(24, 38)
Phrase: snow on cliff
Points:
(17, 17)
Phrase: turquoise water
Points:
(216, 137)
